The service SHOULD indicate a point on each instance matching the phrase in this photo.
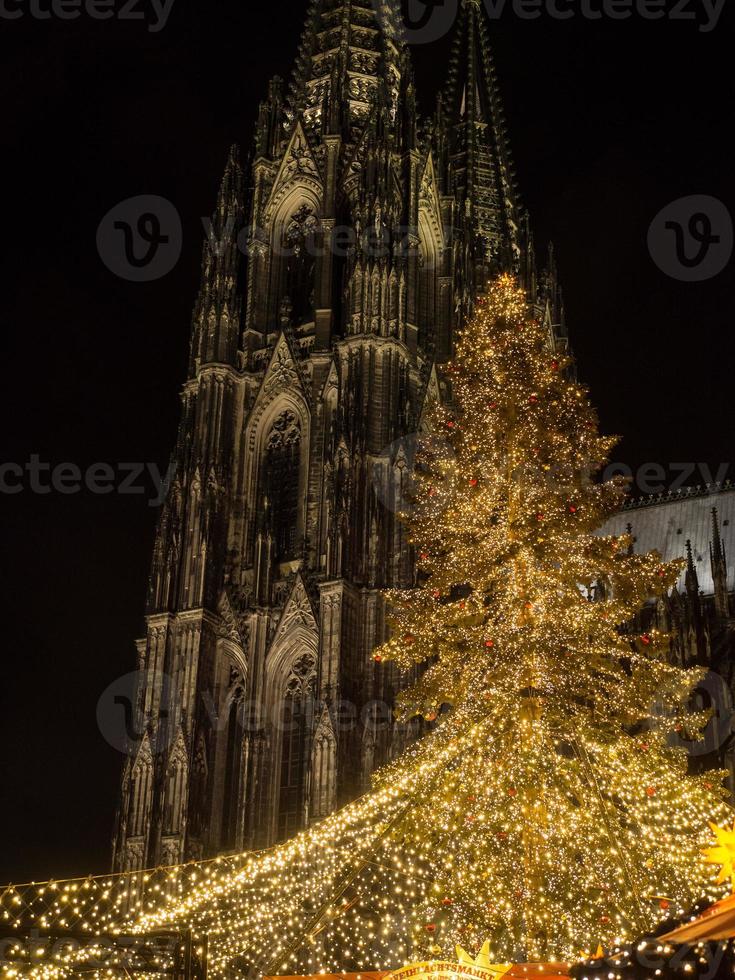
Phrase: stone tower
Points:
(336, 271)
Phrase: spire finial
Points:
(691, 579)
(718, 563)
(717, 547)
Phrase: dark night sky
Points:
(609, 121)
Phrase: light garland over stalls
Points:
(546, 811)
(435, 855)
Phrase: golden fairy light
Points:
(545, 811)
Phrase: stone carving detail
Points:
(301, 678)
(365, 39)
(298, 611)
(302, 224)
(363, 62)
(286, 432)
(362, 89)
(282, 372)
(237, 682)
(134, 855)
(170, 850)
(300, 161)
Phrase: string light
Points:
(545, 812)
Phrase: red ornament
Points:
(493, 405)
(430, 927)
(471, 819)
(554, 365)
(540, 517)
(471, 799)
(450, 425)
(604, 919)
(512, 791)
(663, 904)
(572, 509)
(651, 791)
(501, 835)
(489, 643)
(646, 639)
(474, 481)
(643, 746)
(533, 399)
(431, 716)
(708, 785)
(377, 658)
(662, 573)
(436, 594)
(408, 639)
(447, 902)
(424, 555)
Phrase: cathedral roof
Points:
(666, 522)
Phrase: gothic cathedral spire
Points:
(479, 147)
(336, 269)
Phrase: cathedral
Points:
(338, 266)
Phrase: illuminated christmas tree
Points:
(547, 810)
(571, 819)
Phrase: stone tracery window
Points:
(142, 785)
(299, 263)
(233, 766)
(426, 292)
(296, 724)
(282, 465)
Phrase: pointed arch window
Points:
(233, 772)
(427, 273)
(282, 465)
(175, 792)
(299, 263)
(140, 795)
(296, 729)
(198, 794)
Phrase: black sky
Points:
(609, 121)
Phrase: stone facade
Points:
(337, 269)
